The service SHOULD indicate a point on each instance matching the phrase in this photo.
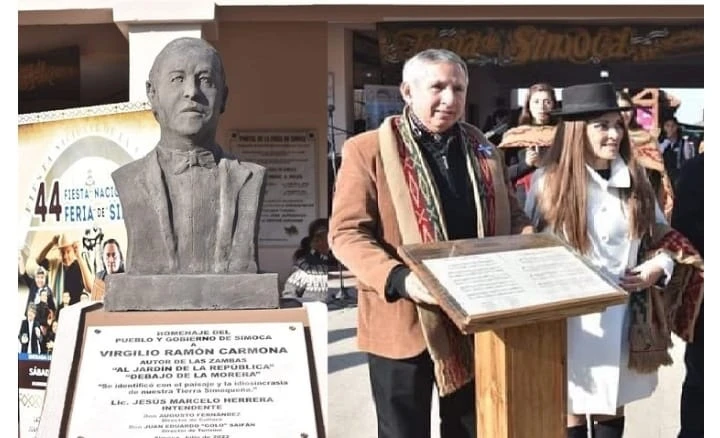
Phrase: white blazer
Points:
(599, 380)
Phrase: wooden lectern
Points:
(514, 294)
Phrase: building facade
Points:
(298, 67)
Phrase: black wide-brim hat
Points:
(587, 100)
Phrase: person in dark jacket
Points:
(311, 263)
(687, 218)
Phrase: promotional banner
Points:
(71, 230)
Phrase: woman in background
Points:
(647, 153)
(523, 145)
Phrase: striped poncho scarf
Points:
(421, 220)
(656, 313)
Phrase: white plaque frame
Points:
(65, 384)
(232, 380)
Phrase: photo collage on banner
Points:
(71, 229)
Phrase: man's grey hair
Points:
(414, 67)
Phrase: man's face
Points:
(67, 255)
(66, 297)
(437, 97)
(40, 280)
(187, 92)
(111, 256)
(670, 128)
(43, 296)
(30, 314)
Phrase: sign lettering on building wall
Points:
(506, 45)
(290, 201)
(49, 79)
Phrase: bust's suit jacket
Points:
(152, 247)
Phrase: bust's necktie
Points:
(189, 159)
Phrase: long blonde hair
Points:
(563, 197)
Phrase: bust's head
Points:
(186, 89)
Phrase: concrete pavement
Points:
(352, 414)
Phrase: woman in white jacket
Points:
(593, 194)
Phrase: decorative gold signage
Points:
(484, 44)
(49, 80)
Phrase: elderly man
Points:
(112, 259)
(66, 273)
(421, 176)
(189, 208)
(112, 263)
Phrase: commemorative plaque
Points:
(510, 280)
(209, 379)
(191, 374)
(514, 294)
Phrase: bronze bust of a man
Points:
(189, 207)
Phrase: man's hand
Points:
(56, 239)
(417, 291)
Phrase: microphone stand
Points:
(333, 150)
(500, 128)
(333, 158)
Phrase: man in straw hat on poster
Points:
(65, 272)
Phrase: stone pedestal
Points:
(124, 292)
